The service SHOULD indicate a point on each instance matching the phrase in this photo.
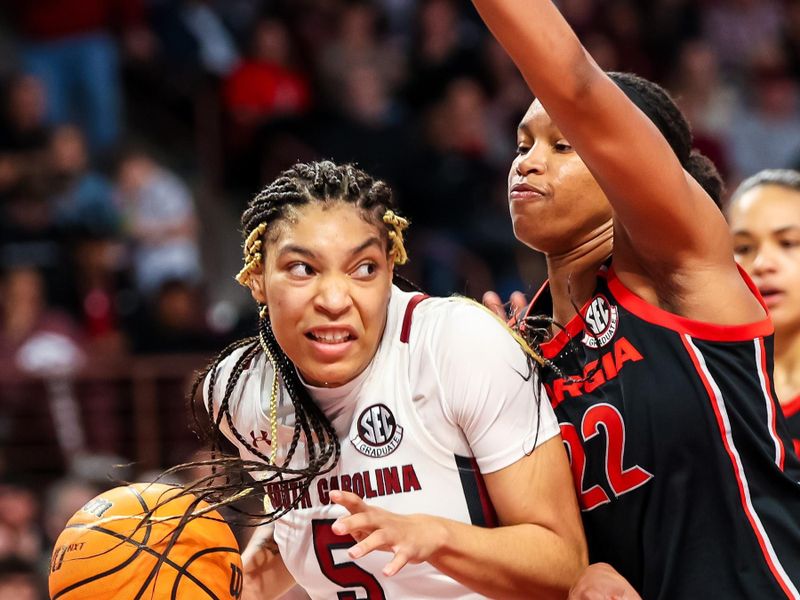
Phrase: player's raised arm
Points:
(665, 214)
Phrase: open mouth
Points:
(330, 336)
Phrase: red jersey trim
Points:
(772, 413)
(570, 331)
(697, 329)
(721, 414)
(792, 407)
(405, 331)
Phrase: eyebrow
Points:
(779, 231)
(295, 249)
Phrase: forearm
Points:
(266, 575)
(514, 561)
(544, 47)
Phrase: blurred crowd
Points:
(132, 133)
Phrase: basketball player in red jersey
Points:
(659, 348)
(764, 217)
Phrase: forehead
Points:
(319, 223)
(770, 206)
(536, 119)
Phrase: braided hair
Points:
(278, 203)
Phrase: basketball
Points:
(106, 551)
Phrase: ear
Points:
(257, 285)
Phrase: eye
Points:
(300, 269)
(562, 146)
(522, 149)
(741, 249)
(789, 243)
(365, 270)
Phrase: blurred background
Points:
(133, 132)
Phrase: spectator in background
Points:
(766, 132)
(357, 44)
(23, 132)
(263, 99)
(366, 117)
(19, 510)
(82, 198)
(27, 232)
(69, 45)
(739, 30)
(175, 322)
(160, 222)
(708, 102)
(26, 314)
(440, 53)
(267, 85)
(18, 580)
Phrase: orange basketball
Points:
(101, 555)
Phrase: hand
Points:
(412, 538)
(517, 304)
(265, 575)
(601, 582)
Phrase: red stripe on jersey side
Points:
(792, 407)
(405, 332)
(772, 413)
(697, 329)
(720, 412)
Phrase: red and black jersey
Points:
(680, 453)
(792, 412)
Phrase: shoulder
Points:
(460, 318)
(460, 329)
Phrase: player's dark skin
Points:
(594, 176)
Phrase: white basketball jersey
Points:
(449, 395)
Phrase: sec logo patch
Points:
(601, 320)
(376, 432)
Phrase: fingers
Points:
(398, 562)
(518, 302)
(492, 301)
(517, 305)
(350, 501)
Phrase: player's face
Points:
(765, 222)
(326, 282)
(555, 202)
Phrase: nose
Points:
(765, 261)
(333, 296)
(534, 161)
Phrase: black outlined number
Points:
(344, 574)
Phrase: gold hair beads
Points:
(252, 253)
(397, 224)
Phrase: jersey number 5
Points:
(620, 480)
(344, 574)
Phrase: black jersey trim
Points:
(479, 505)
(697, 329)
(721, 415)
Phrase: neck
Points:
(787, 365)
(572, 273)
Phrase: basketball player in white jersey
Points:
(404, 447)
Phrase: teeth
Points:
(331, 337)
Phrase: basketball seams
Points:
(143, 549)
(184, 569)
